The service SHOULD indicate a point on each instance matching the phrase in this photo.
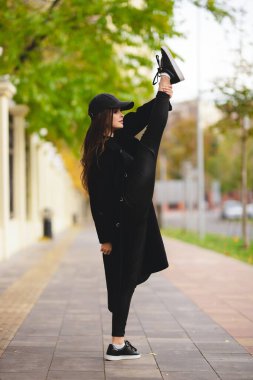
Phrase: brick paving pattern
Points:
(219, 285)
(68, 327)
(18, 299)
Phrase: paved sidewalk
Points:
(221, 286)
(66, 326)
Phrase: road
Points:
(214, 224)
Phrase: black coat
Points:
(137, 246)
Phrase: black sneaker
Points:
(169, 66)
(127, 352)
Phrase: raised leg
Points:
(141, 178)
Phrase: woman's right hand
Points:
(106, 248)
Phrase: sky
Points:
(216, 52)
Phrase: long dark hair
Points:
(94, 142)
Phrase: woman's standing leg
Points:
(119, 319)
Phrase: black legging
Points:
(141, 181)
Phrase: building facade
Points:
(33, 181)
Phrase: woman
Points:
(119, 174)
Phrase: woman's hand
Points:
(168, 90)
(106, 248)
(165, 86)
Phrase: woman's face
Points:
(117, 119)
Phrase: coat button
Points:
(125, 175)
(117, 225)
(121, 199)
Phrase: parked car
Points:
(249, 209)
(231, 209)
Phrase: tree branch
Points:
(36, 40)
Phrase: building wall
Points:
(40, 181)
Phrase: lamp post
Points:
(187, 176)
(200, 145)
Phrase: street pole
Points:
(245, 127)
(200, 145)
(201, 178)
(186, 170)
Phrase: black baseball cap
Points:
(104, 101)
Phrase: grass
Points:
(229, 246)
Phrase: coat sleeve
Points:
(101, 197)
(134, 122)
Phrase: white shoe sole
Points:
(176, 68)
(123, 357)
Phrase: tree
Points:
(238, 107)
(236, 103)
(222, 159)
(179, 146)
(61, 53)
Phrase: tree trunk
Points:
(244, 186)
